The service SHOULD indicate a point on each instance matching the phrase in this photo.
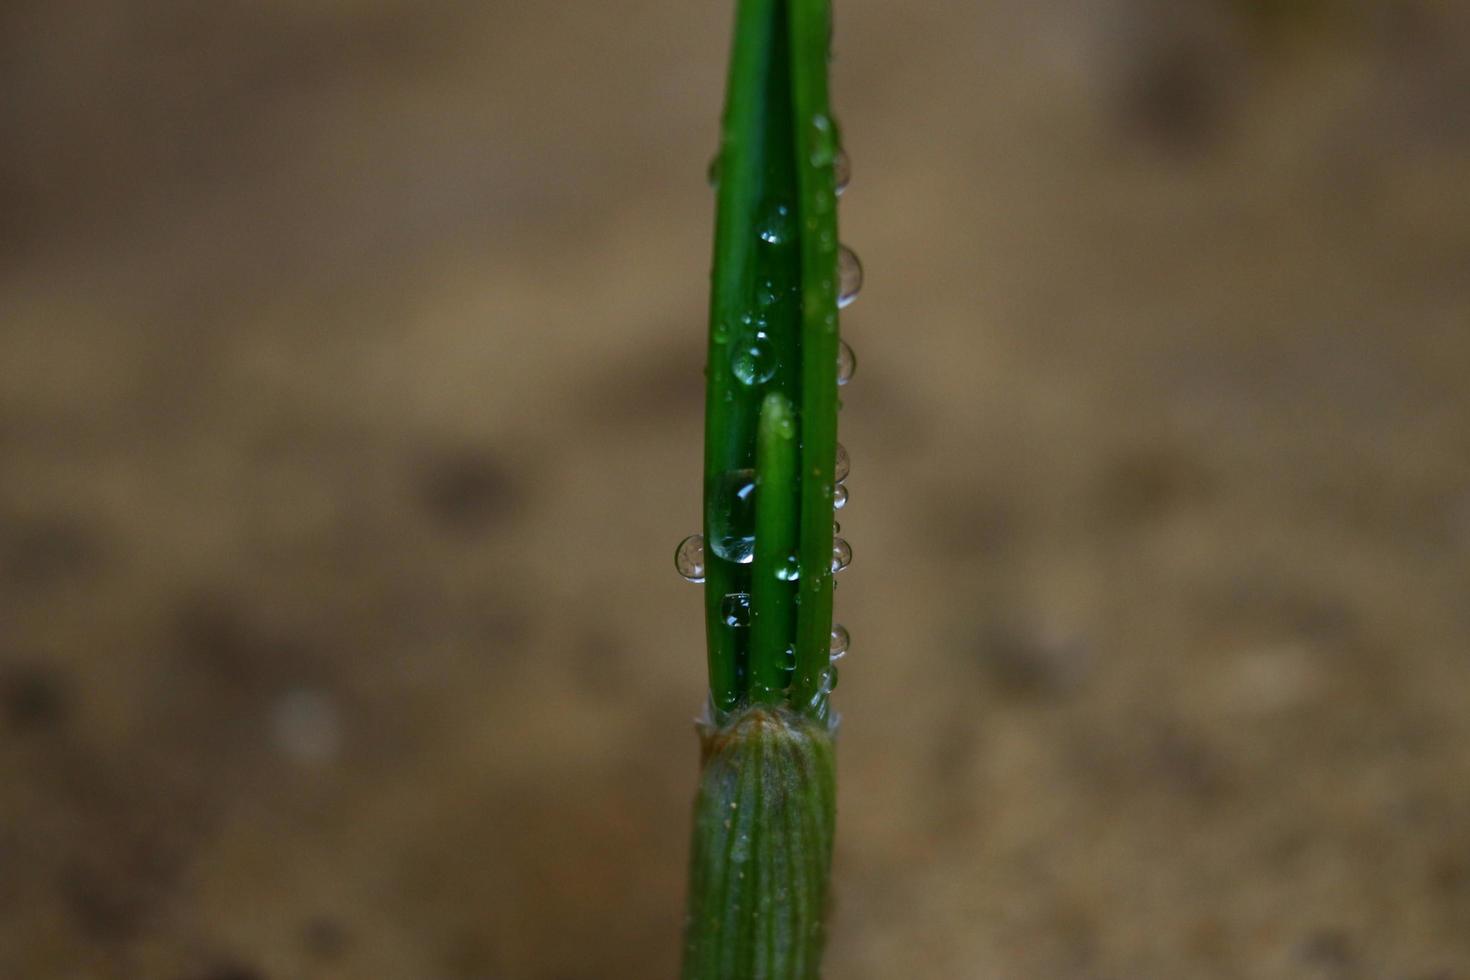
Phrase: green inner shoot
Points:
(771, 416)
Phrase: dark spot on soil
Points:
(325, 937)
(974, 525)
(34, 698)
(602, 662)
(1178, 93)
(653, 392)
(1147, 485)
(1327, 949)
(467, 491)
(231, 663)
(1188, 764)
(1450, 873)
(46, 551)
(1023, 661)
(103, 908)
(217, 634)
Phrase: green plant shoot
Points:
(765, 812)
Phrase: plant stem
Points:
(816, 142)
(772, 596)
(730, 411)
(773, 328)
(765, 812)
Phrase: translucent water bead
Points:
(689, 558)
(776, 228)
(753, 356)
(846, 362)
(840, 641)
(842, 466)
(849, 276)
(839, 497)
(735, 609)
(841, 170)
(732, 516)
(841, 554)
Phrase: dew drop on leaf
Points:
(846, 362)
(689, 558)
(841, 170)
(753, 358)
(735, 609)
(732, 516)
(841, 554)
(840, 641)
(849, 276)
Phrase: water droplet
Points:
(790, 657)
(840, 641)
(841, 554)
(842, 466)
(789, 570)
(824, 143)
(828, 682)
(841, 170)
(735, 609)
(839, 497)
(753, 356)
(836, 528)
(732, 516)
(849, 276)
(846, 362)
(777, 226)
(689, 558)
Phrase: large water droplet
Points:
(789, 570)
(842, 466)
(735, 609)
(828, 682)
(846, 362)
(839, 497)
(732, 516)
(849, 276)
(841, 170)
(753, 356)
(840, 641)
(777, 226)
(689, 558)
(841, 554)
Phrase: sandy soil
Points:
(350, 411)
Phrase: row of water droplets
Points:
(753, 362)
(752, 355)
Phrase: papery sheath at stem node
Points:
(762, 848)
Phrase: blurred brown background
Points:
(350, 411)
